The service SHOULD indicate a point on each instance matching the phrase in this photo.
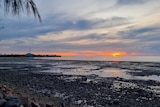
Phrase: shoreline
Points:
(76, 90)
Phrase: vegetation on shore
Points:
(25, 55)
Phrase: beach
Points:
(78, 83)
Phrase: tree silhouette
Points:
(18, 6)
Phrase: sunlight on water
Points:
(105, 69)
(112, 72)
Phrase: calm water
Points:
(126, 58)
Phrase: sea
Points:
(123, 67)
(108, 58)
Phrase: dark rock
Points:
(25, 102)
(62, 105)
(116, 102)
(34, 104)
(3, 89)
(13, 102)
(2, 102)
(1, 95)
(10, 97)
(42, 105)
(84, 78)
(47, 105)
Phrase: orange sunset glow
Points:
(87, 53)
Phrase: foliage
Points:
(18, 6)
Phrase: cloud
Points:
(86, 25)
(131, 2)
(23, 28)
(147, 38)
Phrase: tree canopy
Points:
(18, 6)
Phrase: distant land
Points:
(27, 55)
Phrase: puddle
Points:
(95, 68)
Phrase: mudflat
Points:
(47, 81)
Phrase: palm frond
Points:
(18, 6)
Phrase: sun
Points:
(116, 54)
(119, 54)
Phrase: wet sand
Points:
(24, 76)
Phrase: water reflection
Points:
(152, 77)
(104, 69)
(112, 72)
(87, 69)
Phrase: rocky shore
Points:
(8, 99)
(59, 90)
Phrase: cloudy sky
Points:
(85, 28)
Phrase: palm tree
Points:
(18, 6)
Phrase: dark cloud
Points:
(147, 38)
(93, 36)
(32, 28)
(141, 33)
(14, 29)
(131, 2)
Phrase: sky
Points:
(85, 28)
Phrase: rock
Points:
(62, 105)
(84, 78)
(25, 102)
(8, 93)
(3, 89)
(13, 102)
(34, 104)
(22, 106)
(2, 102)
(1, 95)
(42, 105)
(47, 105)
(10, 97)
(116, 102)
